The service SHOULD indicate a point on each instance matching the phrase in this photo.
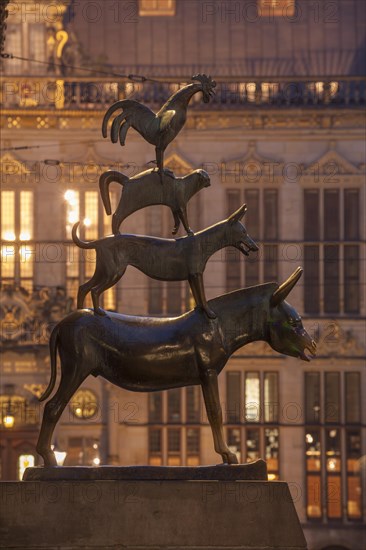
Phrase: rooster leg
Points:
(160, 162)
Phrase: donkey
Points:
(150, 354)
(163, 259)
(145, 189)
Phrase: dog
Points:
(163, 259)
(145, 189)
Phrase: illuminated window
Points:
(252, 397)
(284, 8)
(252, 444)
(85, 206)
(17, 260)
(353, 451)
(234, 441)
(157, 7)
(333, 451)
(333, 469)
(179, 444)
(271, 445)
(313, 470)
(24, 462)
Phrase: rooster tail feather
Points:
(120, 119)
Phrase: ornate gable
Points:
(252, 168)
(178, 164)
(13, 170)
(87, 168)
(330, 167)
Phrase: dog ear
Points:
(237, 216)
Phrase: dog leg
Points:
(198, 291)
(210, 390)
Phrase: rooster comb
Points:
(205, 80)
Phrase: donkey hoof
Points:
(230, 458)
(49, 458)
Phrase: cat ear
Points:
(283, 290)
(237, 216)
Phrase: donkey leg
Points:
(210, 390)
(52, 412)
(198, 291)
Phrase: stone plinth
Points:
(155, 514)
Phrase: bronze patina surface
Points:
(161, 128)
(254, 471)
(145, 189)
(150, 354)
(163, 259)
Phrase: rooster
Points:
(161, 128)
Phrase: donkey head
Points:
(287, 334)
(238, 233)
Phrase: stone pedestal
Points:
(156, 514)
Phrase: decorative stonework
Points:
(28, 318)
(333, 341)
(178, 164)
(252, 167)
(332, 168)
(286, 120)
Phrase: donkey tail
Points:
(105, 179)
(79, 242)
(53, 356)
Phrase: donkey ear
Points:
(283, 290)
(237, 216)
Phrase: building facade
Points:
(285, 135)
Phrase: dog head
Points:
(238, 233)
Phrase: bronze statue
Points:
(151, 354)
(145, 189)
(163, 259)
(161, 128)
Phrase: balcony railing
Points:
(97, 94)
